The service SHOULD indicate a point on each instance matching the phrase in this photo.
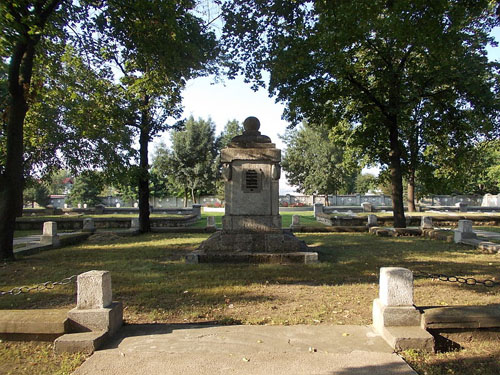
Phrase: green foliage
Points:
(366, 182)
(36, 192)
(190, 166)
(86, 189)
(388, 77)
(316, 165)
(471, 170)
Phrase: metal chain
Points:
(46, 285)
(458, 279)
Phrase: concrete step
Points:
(84, 342)
(39, 325)
(461, 317)
(408, 337)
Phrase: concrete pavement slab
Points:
(269, 350)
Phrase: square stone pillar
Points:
(426, 222)
(95, 310)
(318, 209)
(295, 222)
(88, 225)
(94, 290)
(394, 307)
(49, 234)
(211, 222)
(372, 220)
(464, 231)
(367, 207)
(394, 315)
(197, 210)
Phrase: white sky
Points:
(234, 99)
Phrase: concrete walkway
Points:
(250, 350)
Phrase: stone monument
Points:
(251, 227)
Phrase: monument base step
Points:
(84, 342)
(408, 337)
(272, 258)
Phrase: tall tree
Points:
(316, 165)
(364, 67)
(156, 46)
(190, 164)
(23, 23)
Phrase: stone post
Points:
(49, 235)
(367, 207)
(88, 225)
(464, 231)
(118, 205)
(372, 220)
(134, 223)
(211, 222)
(426, 222)
(295, 222)
(95, 309)
(197, 210)
(318, 209)
(394, 315)
(462, 206)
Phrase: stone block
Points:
(367, 207)
(396, 286)
(465, 226)
(94, 290)
(295, 221)
(50, 228)
(84, 342)
(318, 209)
(88, 225)
(197, 210)
(406, 338)
(372, 220)
(211, 222)
(394, 316)
(462, 206)
(134, 223)
(459, 236)
(108, 319)
(426, 222)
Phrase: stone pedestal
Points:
(251, 224)
(426, 222)
(88, 225)
(211, 222)
(49, 234)
(372, 220)
(367, 207)
(464, 231)
(394, 315)
(95, 309)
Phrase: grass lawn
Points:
(155, 285)
(306, 219)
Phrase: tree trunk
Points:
(12, 180)
(396, 177)
(411, 190)
(143, 183)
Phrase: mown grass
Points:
(306, 219)
(151, 279)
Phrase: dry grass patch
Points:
(155, 285)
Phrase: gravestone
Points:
(426, 222)
(251, 226)
(464, 231)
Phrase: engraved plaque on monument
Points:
(251, 226)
